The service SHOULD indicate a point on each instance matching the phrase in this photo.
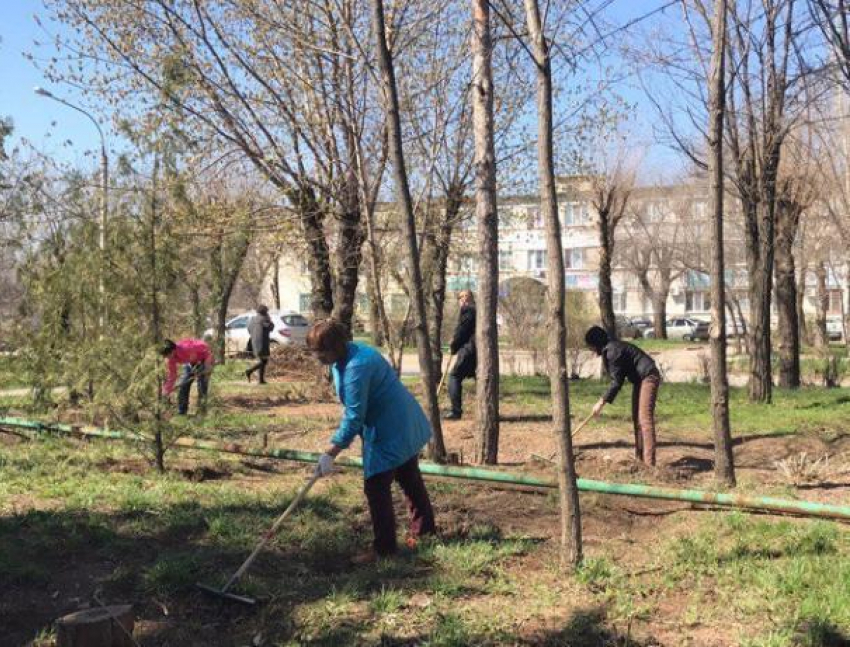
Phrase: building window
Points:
(506, 260)
(304, 302)
(697, 301)
(620, 301)
(466, 264)
(576, 214)
(537, 259)
(534, 218)
(574, 258)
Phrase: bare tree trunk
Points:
(439, 264)
(606, 290)
(724, 462)
(156, 322)
(744, 331)
(571, 544)
(786, 297)
(801, 313)
(487, 376)
(197, 311)
(659, 314)
(820, 337)
(761, 377)
(227, 258)
(275, 285)
(349, 255)
(312, 218)
(390, 95)
(735, 328)
(375, 327)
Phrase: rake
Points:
(224, 592)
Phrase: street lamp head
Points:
(42, 92)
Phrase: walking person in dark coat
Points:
(463, 346)
(260, 328)
(621, 361)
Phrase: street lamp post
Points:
(104, 200)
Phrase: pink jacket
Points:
(187, 351)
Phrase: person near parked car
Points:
(260, 328)
(463, 348)
(392, 427)
(622, 361)
(197, 361)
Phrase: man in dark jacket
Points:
(625, 361)
(260, 328)
(463, 346)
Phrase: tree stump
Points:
(97, 627)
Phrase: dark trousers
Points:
(456, 393)
(190, 374)
(644, 395)
(261, 367)
(378, 489)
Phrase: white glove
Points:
(325, 466)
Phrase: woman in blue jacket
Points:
(393, 429)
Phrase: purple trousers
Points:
(378, 489)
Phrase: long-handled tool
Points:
(224, 591)
(581, 425)
(446, 374)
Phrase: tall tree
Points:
(487, 376)
(610, 194)
(396, 156)
(571, 545)
(724, 462)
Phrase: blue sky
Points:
(48, 125)
(45, 123)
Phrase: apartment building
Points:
(669, 222)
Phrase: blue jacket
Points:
(378, 409)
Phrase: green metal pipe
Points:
(771, 504)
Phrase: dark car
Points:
(626, 328)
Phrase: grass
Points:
(93, 514)
(795, 572)
(12, 372)
(683, 409)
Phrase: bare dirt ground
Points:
(611, 525)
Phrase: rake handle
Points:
(445, 374)
(271, 532)
(581, 425)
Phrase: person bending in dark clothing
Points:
(463, 346)
(625, 361)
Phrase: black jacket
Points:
(622, 361)
(463, 344)
(260, 328)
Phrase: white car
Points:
(289, 328)
(683, 328)
(834, 328)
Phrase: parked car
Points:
(626, 329)
(642, 324)
(731, 328)
(289, 328)
(683, 328)
(834, 328)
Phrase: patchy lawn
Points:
(83, 518)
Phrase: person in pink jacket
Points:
(197, 361)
